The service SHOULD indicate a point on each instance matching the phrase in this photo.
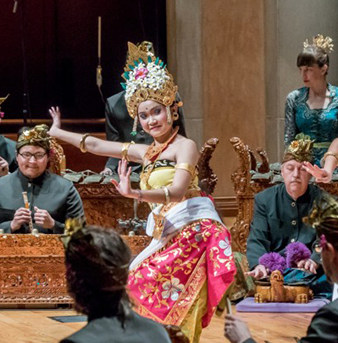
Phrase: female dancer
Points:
(182, 275)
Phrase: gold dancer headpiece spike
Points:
(72, 225)
(147, 78)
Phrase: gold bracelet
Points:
(83, 142)
(125, 148)
(140, 196)
(166, 194)
(328, 153)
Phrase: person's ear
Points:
(324, 69)
(282, 170)
(331, 251)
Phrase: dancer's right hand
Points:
(123, 187)
(56, 116)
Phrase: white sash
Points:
(175, 219)
(335, 292)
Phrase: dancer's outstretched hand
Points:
(56, 116)
(320, 174)
(124, 172)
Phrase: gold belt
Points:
(159, 219)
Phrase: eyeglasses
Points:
(37, 156)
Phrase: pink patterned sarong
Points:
(165, 285)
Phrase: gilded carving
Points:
(32, 269)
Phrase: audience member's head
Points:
(296, 178)
(97, 262)
(324, 218)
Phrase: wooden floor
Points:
(35, 326)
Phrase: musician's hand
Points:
(21, 216)
(56, 116)
(308, 265)
(4, 169)
(43, 218)
(106, 171)
(123, 186)
(259, 272)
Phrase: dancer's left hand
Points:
(56, 116)
(320, 174)
(123, 186)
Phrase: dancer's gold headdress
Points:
(320, 42)
(147, 78)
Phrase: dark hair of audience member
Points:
(97, 262)
(313, 55)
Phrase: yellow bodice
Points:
(162, 175)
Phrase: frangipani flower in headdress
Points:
(147, 78)
(300, 149)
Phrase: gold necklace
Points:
(155, 152)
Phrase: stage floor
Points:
(28, 326)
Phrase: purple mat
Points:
(249, 305)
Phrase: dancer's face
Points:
(153, 119)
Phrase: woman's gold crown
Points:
(320, 42)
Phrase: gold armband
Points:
(83, 142)
(188, 167)
(125, 148)
(166, 194)
(328, 153)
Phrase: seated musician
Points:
(277, 222)
(323, 328)
(50, 198)
(97, 262)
